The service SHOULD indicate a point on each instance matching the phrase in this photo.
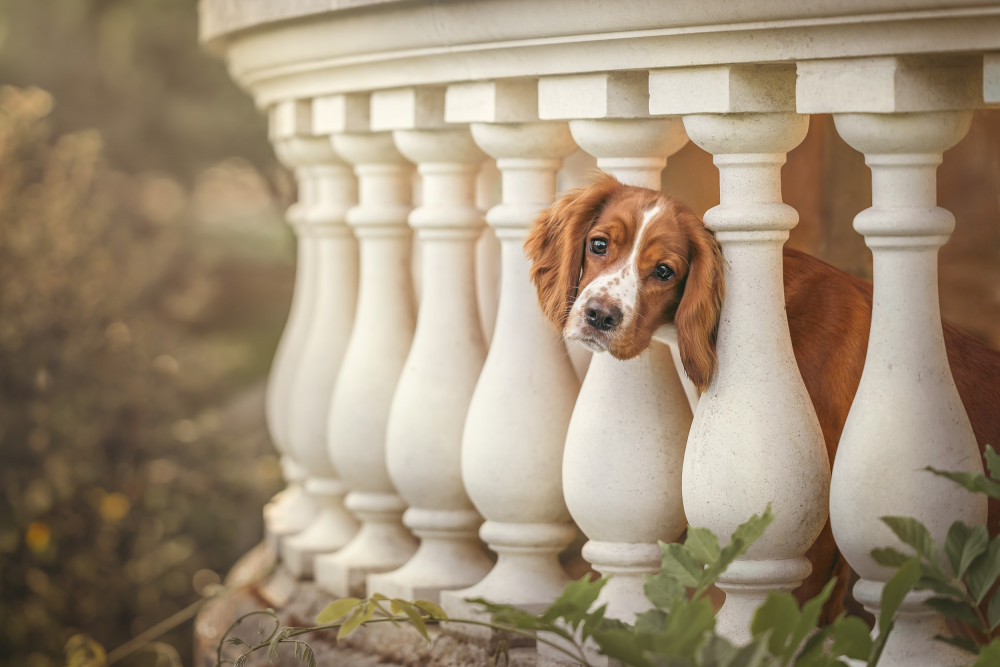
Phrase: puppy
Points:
(612, 263)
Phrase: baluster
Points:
(622, 477)
(516, 426)
(335, 191)
(755, 438)
(488, 251)
(292, 509)
(424, 436)
(379, 342)
(907, 413)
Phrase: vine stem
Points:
(579, 656)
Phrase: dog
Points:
(612, 263)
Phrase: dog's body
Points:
(612, 263)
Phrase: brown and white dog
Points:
(612, 263)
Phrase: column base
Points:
(911, 641)
(449, 557)
(286, 514)
(382, 544)
(527, 574)
(746, 584)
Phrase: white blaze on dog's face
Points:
(634, 266)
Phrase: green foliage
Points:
(960, 575)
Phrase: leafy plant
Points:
(963, 575)
(680, 628)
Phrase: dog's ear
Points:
(697, 317)
(555, 246)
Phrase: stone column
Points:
(291, 132)
(907, 413)
(622, 476)
(333, 190)
(424, 437)
(379, 343)
(516, 426)
(755, 438)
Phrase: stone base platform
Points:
(257, 583)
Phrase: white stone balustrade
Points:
(907, 407)
(755, 439)
(291, 131)
(625, 445)
(424, 437)
(517, 419)
(379, 343)
(334, 192)
(534, 80)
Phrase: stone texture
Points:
(260, 585)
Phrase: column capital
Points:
(729, 134)
(723, 89)
(890, 84)
(341, 113)
(529, 141)
(289, 118)
(505, 101)
(594, 95)
(408, 109)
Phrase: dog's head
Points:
(612, 263)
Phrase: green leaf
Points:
(716, 652)
(745, 534)
(895, 590)
(965, 544)
(753, 654)
(433, 610)
(336, 610)
(954, 609)
(851, 638)
(973, 481)
(355, 619)
(680, 565)
(992, 463)
(779, 614)
(663, 590)
(989, 656)
(807, 622)
(622, 645)
(984, 571)
(912, 532)
(889, 557)
(574, 602)
(687, 626)
(993, 612)
(703, 545)
(940, 583)
(416, 620)
(651, 622)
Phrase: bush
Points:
(119, 486)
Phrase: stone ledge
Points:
(258, 584)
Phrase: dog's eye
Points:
(663, 272)
(598, 246)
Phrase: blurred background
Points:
(145, 274)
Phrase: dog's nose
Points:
(601, 316)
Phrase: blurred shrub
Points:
(118, 488)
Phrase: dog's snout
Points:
(602, 316)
